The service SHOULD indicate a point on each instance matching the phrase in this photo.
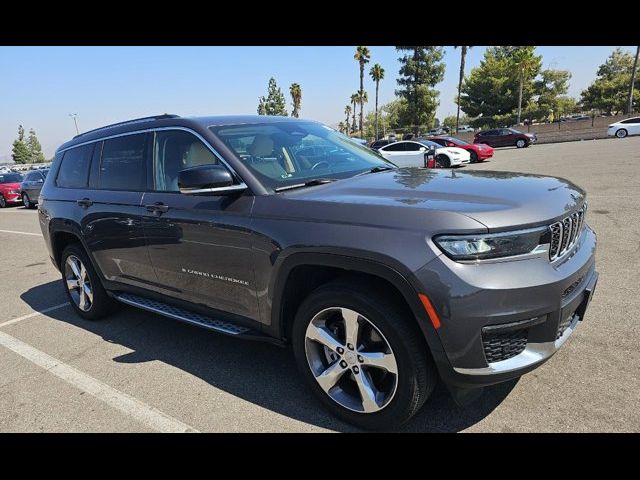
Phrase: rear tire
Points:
(442, 161)
(83, 286)
(377, 317)
(621, 133)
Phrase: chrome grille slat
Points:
(565, 233)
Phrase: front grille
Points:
(565, 233)
(502, 346)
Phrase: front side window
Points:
(412, 147)
(74, 169)
(123, 163)
(395, 147)
(288, 153)
(175, 150)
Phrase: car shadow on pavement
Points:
(257, 372)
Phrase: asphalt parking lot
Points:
(137, 371)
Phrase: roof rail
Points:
(129, 122)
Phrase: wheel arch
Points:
(63, 233)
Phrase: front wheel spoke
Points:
(83, 273)
(351, 326)
(381, 360)
(87, 290)
(330, 376)
(82, 303)
(74, 268)
(72, 283)
(323, 336)
(367, 391)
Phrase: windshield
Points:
(287, 153)
(515, 131)
(429, 143)
(10, 177)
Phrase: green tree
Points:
(452, 121)
(526, 65)
(377, 74)
(35, 149)
(395, 113)
(362, 56)
(296, 97)
(633, 81)
(355, 98)
(20, 151)
(342, 127)
(551, 87)
(347, 112)
(421, 68)
(609, 92)
(463, 56)
(490, 92)
(274, 103)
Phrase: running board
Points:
(181, 314)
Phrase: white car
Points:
(465, 128)
(630, 126)
(410, 153)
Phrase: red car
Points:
(10, 189)
(479, 151)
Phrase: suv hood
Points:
(498, 200)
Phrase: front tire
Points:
(442, 161)
(83, 286)
(621, 133)
(3, 202)
(26, 201)
(474, 156)
(520, 143)
(361, 356)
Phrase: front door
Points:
(200, 246)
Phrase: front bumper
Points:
(546, 302)
(13, 198)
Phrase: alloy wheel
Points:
(25, 201)
(78, 283)
(351, 360)
(621, 133)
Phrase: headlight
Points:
(494, 245)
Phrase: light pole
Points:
(74, 115)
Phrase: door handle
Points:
(157, 208)
(84, 202)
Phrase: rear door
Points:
(113, 211)
(200, 246)
(505, 138)
(34, 185)
(489, 137)
(632, 125)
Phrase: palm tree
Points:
(362, 56)
(463, 56)
(296, 96)
(341, 127)
(377, 74)
(362, 99)
(525, 61)
(633, 80)
(347, 112)
(354, 100)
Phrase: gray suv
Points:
(383, 279)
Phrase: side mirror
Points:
(207, 180)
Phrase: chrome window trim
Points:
(231, 188)
(160, 129)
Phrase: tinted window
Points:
(631, 120)
(430, 144)
(174, 151)
(74, 170)
(440, 141)
(10, 178)
(123, 163)
(412, 147)
(396, 147)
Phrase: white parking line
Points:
(143, 413)
(21, 233)
(33, 314)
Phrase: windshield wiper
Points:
(377, 169)
(308, 183)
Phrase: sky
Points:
(41, 86)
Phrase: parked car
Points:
(630, 126)
(465, 128)
(10, 189)
(479, 152)
(505, 137)
(30, 187)
(411, 153)
(380, 143)
(359, 141)
(382, 279)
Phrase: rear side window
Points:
(74, 170)
(631, 120)
(123, 163)
(396, 147)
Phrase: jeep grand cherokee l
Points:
(383, 279)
